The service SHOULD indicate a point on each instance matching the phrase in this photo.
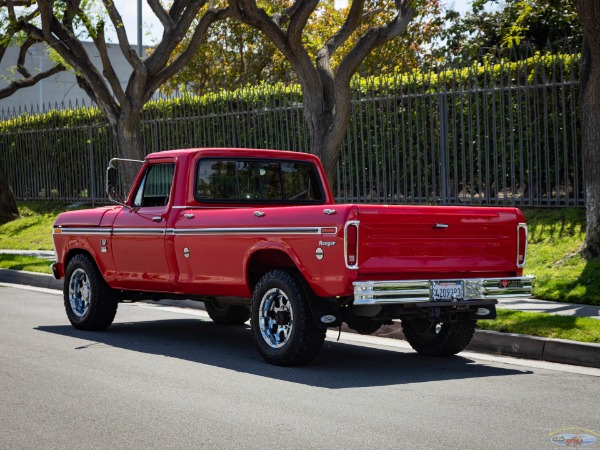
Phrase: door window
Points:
(155, 187)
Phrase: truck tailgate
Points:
(433, 242)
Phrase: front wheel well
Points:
(74, 252)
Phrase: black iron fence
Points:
(498, 132)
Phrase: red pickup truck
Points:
(256, 234)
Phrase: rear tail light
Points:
(351, 245)
(521, 244)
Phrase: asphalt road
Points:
(164, 377)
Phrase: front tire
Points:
(282, 324)
(225, 314)
(89, 302)
(432, 338)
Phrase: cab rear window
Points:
(253, 181)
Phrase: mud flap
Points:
(485, 312)
(326, 311)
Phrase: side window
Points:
(217, 179)
(258, 181)
(300, 182)
(155, 187)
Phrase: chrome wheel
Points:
(276, 318)
(79, 292)
(282, 324)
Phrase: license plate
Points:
(447, 291)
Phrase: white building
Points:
(60, 90)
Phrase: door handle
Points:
(188, 216)
(258, 214)
(157, 219)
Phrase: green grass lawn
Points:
(28, 263)
(555, 237)
(33, 230)
(582, 329)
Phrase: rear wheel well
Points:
(264, 261)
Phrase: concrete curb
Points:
(519, 345)
(30, 278)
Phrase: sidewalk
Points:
(44, 254)
(523, 346)
(546, 306)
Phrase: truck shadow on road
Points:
(339, 365)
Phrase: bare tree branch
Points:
(298, 20)
(350, 25)
(372, 39)
(30, 81)
(162, 15)
(71, 50)
(128, 52)
(107, 68)
(248, 12)
(171, 39)
(197, 38)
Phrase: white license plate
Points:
(447, 291)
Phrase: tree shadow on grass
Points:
(549, 224)
(20, 262)
(584, 289)
(339, 366)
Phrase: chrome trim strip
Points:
(416, 291)
(198, 231)
(96, 231)
(139, 231)
(249, 230)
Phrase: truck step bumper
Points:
(422, 291)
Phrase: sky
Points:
(152, 29)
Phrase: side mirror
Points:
(111, 184)
(119, 180)
(111, 181)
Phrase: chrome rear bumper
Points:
(415, 291)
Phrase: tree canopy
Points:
(509, 23)
(236, 54)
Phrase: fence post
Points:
(444, 146)
(92, 192)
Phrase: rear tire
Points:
(432, 338)
(89, 302)
(225, 314)
(282, 324)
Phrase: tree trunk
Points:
(590, 136)
(327, 124)
(8, 204)
(127, 134)
(589, 15)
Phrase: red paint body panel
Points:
(189, 247)
(432, 242)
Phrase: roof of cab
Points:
(232, 153)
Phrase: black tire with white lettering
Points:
(432, 338)
(90, 303)
(225, 314)
(282, 324)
